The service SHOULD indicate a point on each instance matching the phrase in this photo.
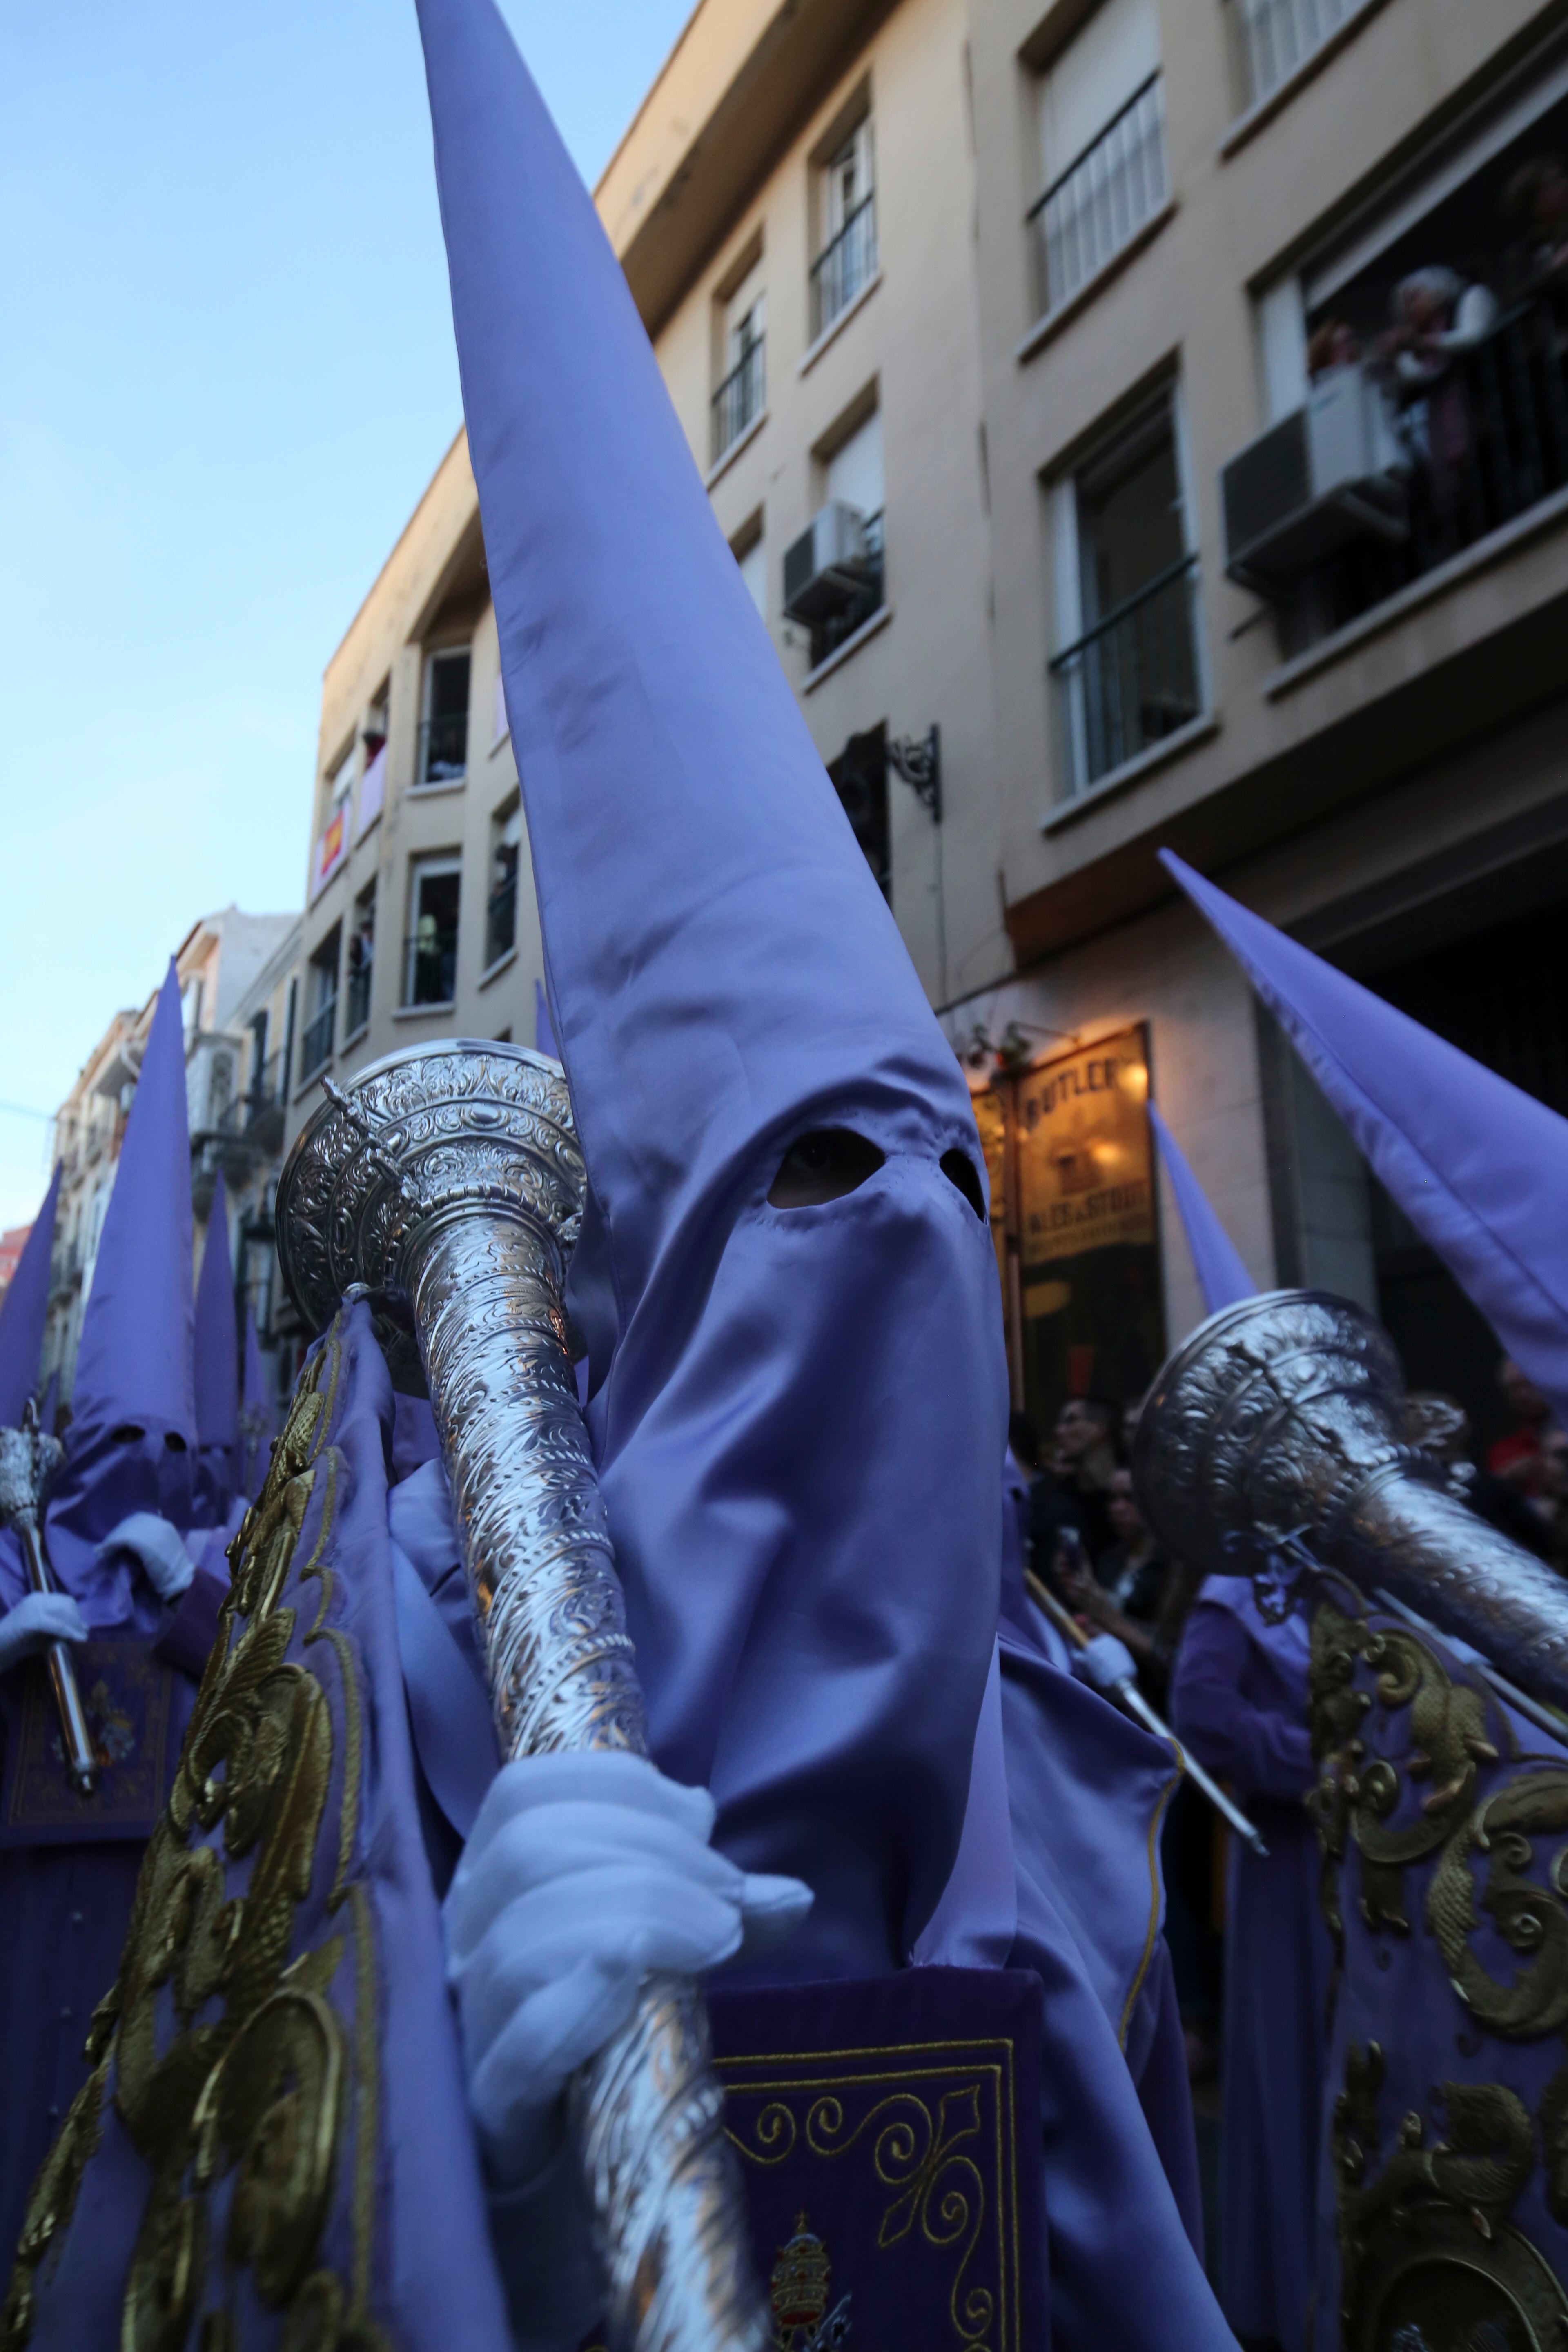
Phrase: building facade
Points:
(1140, 422)
(234, 971)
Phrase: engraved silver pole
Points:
(451, 1176)
(29, 1464)
(1287, 1414)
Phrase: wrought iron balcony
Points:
(1101, 201)
(316, 1040)
(430, 966)
(844, 267)
(1484, 442)
(860, 599)
(500, 920)
(444, 749)
(737, 403)
(1132, 679)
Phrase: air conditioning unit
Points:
(826, 567)
(1329, 473)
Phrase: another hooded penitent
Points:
(24, 1311)
(67, 1866)
(797, 1396)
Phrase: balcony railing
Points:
(1274, 37)
(430, 967)
(846, 267)
(316, 1040)
(500, 920)
(1101, 201)
(1484, 441)
(1132, 679)
(444, 749)
(737, 403)
(828, 634)
(359, 996)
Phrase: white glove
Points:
(1105, 1664)
(38, 1619)
(158, 1547)
(583, 1874)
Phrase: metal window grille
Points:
(443, 748)
(843, 268)
(1102, 199)
(1275, 36)
(430, 965)
(1132, 679)
(737, 403)
(316, 1044)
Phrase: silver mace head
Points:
(462, 1129)
(29, 1464)
(1287, 1414)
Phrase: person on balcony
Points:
(1438, 319)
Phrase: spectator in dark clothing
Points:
(1129, 1591)
(1442, 1428)
(1074, 1492)
(1535, 206)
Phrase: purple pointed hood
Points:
(1479, 1167)
(1216, 1261)
(134, 1420)
(135, 1362)
(217, 1359)
(23, 1312)
(798, 1414)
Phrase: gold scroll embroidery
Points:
(226, 2063)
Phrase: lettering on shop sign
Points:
(1085, 1180)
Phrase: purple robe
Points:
(1239, 1698)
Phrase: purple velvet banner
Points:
(888, 2132)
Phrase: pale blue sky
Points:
(226, 375)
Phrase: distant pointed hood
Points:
(1216, 1261)
(797, 1413)
(721, 964)
(133, 1414)
(217, 1361)
(1480, 1168)
(135, 1362)
(23, 1312)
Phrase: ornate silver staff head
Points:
(448, 1181)
(29, 1463)
(1288, 1413)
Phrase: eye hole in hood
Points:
(823, 1166)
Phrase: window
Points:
(362, 960)
(750, 551)
(1128, 673)
(430, 951)
(742, 343)
(372, 783)
(261, 1083)
(845, 582)
(191, 1009)
(332, 845)
(500, 905)
(847, 227)
(444, 730)
(321, 999)
(1102, 149)
(859, 777)
(1272, 37)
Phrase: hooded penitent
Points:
(22, 1312)
(1216, 1261)
(798, 1414)
(1477, 1166)
(216, 1369)
(134, 1420)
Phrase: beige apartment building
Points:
(1033, 357)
